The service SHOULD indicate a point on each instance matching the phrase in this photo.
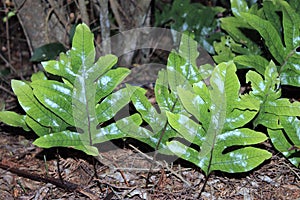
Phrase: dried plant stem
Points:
(83, 12)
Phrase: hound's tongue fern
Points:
(82, 101)
(77, 111)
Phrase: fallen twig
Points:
(66, 185)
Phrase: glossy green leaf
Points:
(197, 104)
(234, 28)
(291, 126)
(34, 109)
(282, 106)
(113, 103)
(56, 96)
(62, 67)
(103, 64)
(187, 128)
(180, 72)
(109, 81)
(148, 112)
(39, 129)
(291, 23)
(238, 6)
(188, 50)
(53, 108)
(270, 10)
(282, 144)
(132, 128)
(165, 99)
(268, 93)
(220, 113)
(38, 76)
(66, 139)
(269, 34)
(13, 119)
(239, 160)
(256, 62)
(47, 52)
(264, 32)
(83, 51)
(117, 130)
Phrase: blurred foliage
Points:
(47, 52)
(184, 16)
(260, 33)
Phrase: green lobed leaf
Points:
(66, 139)
(274, 26)
(117, 130)
(238, 6)
(39, 129)
(270, 35)
(282, 107)
(221, 95)
(268, 93)
(13, 119)
(109, 81)
(291, 23)
(103, 64)
(290, 77)
(220, 111)
(180, 72)
(56, 96)
(291, 126)
(188, 50)
(35, 109)
(241, 160)
(282, 144)
(148, 111)
(132, 128)
(187, 128)
(234, 27)
(270, 10)
(165, 99)
(38, 76)
(113, 103)
(256, 62)
(83, 101)
(54, 108)
(223, 51)
(267, 88)
(62, 68)
(83, 51)
(196, 105)
(47, 52)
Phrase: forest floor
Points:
(125, 177)
(29, 172)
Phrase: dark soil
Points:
(124, 175)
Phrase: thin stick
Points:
(8, 63)
(83, 12)
(7, 33)
(8, 91)
(165, 165)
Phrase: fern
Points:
(279, 115)
(183, 16)
(215, 125)
(280, 38)
(181, 71)
(69, 113)
(277, 23)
